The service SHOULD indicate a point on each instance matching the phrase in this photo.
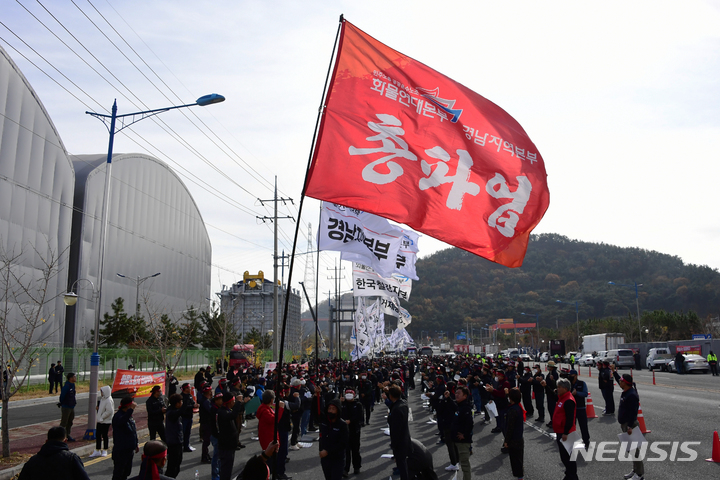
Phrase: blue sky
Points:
(621, 99)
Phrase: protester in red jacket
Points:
(266, 418)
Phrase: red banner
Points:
(402, 141)
(690, 349)
(137, 384)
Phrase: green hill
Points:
(456, 286)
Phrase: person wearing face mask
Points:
(352, 414)
(526, 381)
(366, 397)
(539, 392)
(499, 391)
(334, 435)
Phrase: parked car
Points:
(544, 357)
(622, 357)
(658, 358)
(692, 363)
(525, 358)
(586, 360)
(570, 355)
(601, 356)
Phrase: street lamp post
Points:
(125, 120)
(537, 323)
(577, 317)
(635, 285)
(137, 281)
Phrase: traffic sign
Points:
(701, 336)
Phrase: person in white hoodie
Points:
(105, 412)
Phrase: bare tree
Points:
(24, 299)
(166, 336)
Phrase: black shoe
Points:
(540, 420)
(504, 450)
(70, 439)
(548, 424)
(287, 459)
(496, 430)
(205, 460)
(356, 471)
(240, 445)
(440, 442)
(346, 474)
(186, 450)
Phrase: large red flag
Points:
(405, 142)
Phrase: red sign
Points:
(462, 348)
(690, 349)
(137, 384)
(405, 142)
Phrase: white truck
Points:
(444, 347)
(659, 358)
(602, 341)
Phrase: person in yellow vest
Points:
(712, 360)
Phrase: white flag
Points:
(368, 283)
(351, 231)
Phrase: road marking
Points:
(540, 430)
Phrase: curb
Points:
(11, 472)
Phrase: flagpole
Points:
(292, 256)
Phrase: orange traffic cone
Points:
(716, 449)
(641, 421)
(590, 371)
(590, 407)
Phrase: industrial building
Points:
(249, 304)
(50, 203)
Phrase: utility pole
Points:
(275, 219)
(336, 280)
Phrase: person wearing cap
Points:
(334, 435)
(513, 441)
(156, 409)
(580, 392)
(199, 379)
(227, 434)
(207, 417)
(365, 390)
(52, 375)
(209, 375)
(295, 406)
(526, 382)
(446, 408)
(222, 386)
(511, 374)
(172, 382)
(154, 458)
(67, 405)
(563, 424)
(550, 384)
(461, 429)
(605, 382)
(397, 419)
(627, 417)
(125, 440)
(187, 416)
(499, 390)
(174, 434)
(217, 402)
(54, 460)
(236, 390)
(352, 415)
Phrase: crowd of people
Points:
(338, 398)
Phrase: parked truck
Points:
(602, 342)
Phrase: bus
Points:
(241, 356)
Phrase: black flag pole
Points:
(278, 368)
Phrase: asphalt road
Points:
(679, 408)
(20, 416)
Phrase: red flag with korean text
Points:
(403, 141)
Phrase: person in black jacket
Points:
(174, 434)
(352, 415)
(295, 406)
(627, 417)
(539, 392)
(227, 434)
(59, 374)
(125, 440)
(550, 384)
(156, 409)
(420, 462)
(207, 417)
(461, 429)
(525, 383)
(334, 435)
(399, 430)
(214, 434)
(513, 431)
(51, 378)
(54, 460)
(446, 409)
(605, 382)
(187, 416)
(172, 383)
(199, 379)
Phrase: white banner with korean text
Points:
(368, 283)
